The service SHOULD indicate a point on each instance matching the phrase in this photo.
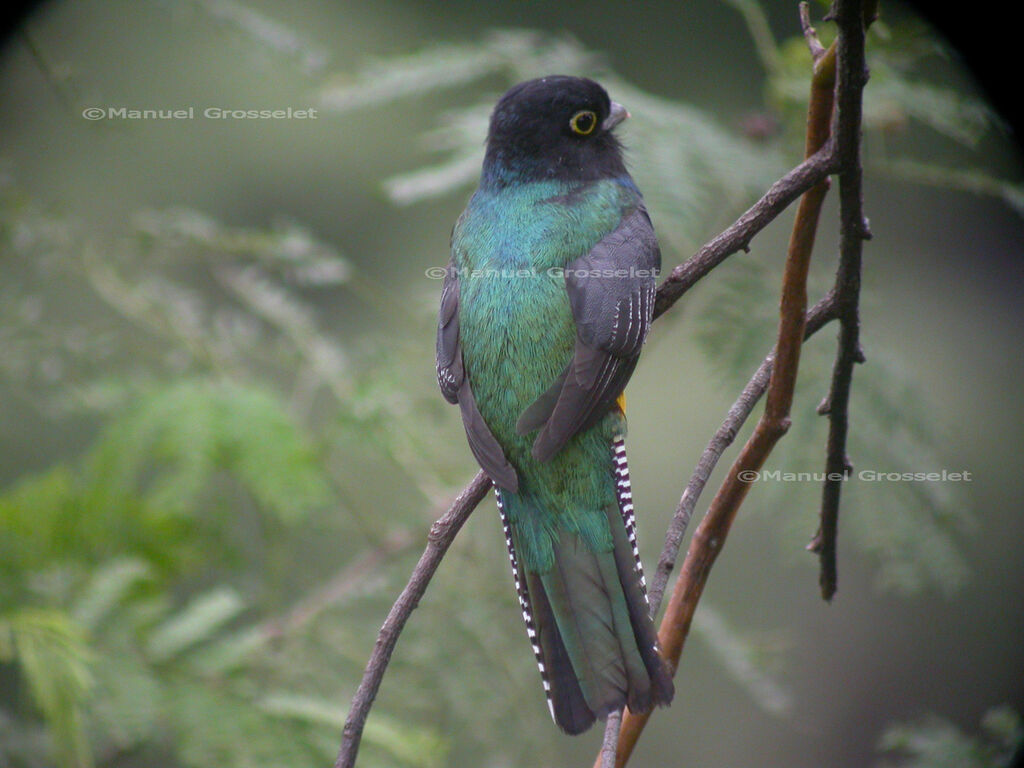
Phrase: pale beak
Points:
(616, 115)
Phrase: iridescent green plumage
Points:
(548, 299)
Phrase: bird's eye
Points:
(583, 122)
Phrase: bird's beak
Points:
(617, 114)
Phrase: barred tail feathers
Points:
(631, 575)
(565, 699)
(587, 620)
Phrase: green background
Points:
(772, 676)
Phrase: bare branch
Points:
(441, 535)
(611, 739)
(852, 18)
(738, 236)
(709, 538)
(815, 46)
(818, 316)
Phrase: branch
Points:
(815, 46)
(818, 317)
(852, 18)
(737, 237)
(709, 538)
(441, 535)
(611, 739)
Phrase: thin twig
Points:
(852, 18)
(815, 46)
(441, 535)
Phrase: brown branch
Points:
(737, 237)
(441, 535)
(818, 316)
(709, 538)
(815, 46)
(611, 739)
(852, 18)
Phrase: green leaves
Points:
(195, 430)
(913, 87)
(198, 621)
(53, 657)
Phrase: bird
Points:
(546, 302)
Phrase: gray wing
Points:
(611, 292)
(449, 357)
(454, 384)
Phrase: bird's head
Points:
(554, 127)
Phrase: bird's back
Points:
(536, 355)
(510, 249)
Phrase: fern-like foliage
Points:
(691, 186)
(53, 657)
(146, 578)
(906, 102)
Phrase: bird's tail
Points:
(587, 619)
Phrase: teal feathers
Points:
(522, 333)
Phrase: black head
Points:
(555, 127)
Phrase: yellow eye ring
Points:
(583, 122)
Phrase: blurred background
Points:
(221, 442)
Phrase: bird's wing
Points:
(454, 383)
(449, 356)
(611, 292)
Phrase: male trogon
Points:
(547, 301)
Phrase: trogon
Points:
(546, 303)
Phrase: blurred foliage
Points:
(146, 583)
(164, 596)
(694, 185)
(911, 90)
(933, 742)
(913, 532)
